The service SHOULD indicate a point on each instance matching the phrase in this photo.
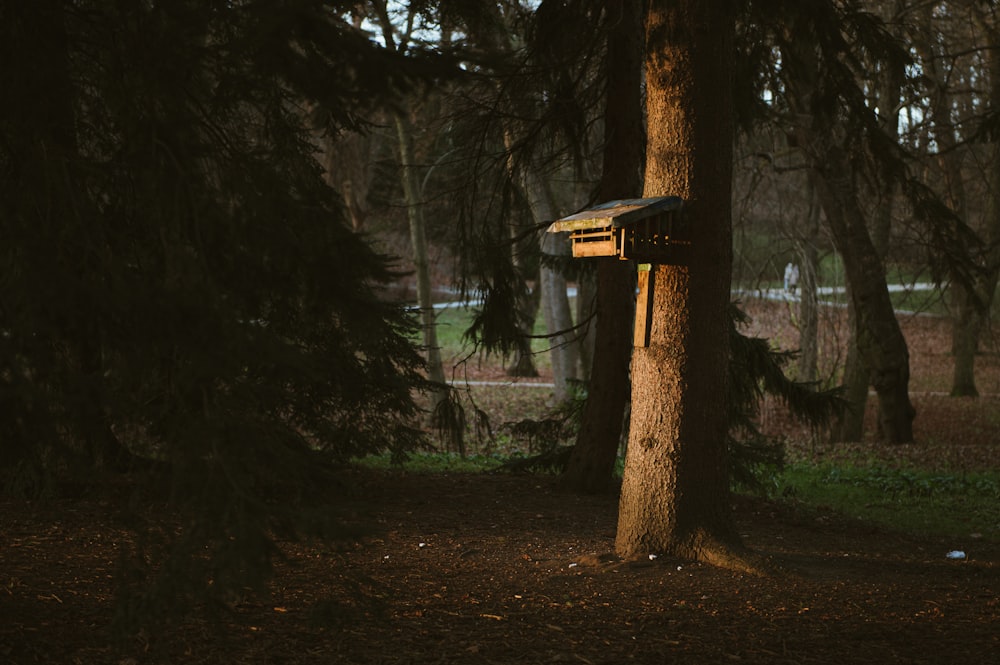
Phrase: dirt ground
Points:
(510, 569)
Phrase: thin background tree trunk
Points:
(951, 185)
(418, 240)
(563, 342)
(414, 207)
(556, 310)
(808, 304)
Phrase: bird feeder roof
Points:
(616, 213)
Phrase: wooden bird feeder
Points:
(645, 230)
(650, 231)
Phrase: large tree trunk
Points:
(802, 88)
(850, 424)
(675, 491)
(987, 281)
(591, 464)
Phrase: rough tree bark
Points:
(675, 490)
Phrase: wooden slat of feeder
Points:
(594, 242)
(643, 307)
(602, 248)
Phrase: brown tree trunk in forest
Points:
(522, 363)
(562, 339)
(849, 426)
(880, 342)
(591, 464)
(987, 283)
(971, 301)
(347, 164)
(879, 338)
(675, 491)
(347, 159)
(949, 181)
(966, 325)
(586, 315)
(554, 303)
(412, 192)
(418, 240)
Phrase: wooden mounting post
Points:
(644, 306)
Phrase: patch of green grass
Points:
(452, 322)
(923, 302)
(917, 502)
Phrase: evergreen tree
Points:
(181, 294)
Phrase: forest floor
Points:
(499, 568)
